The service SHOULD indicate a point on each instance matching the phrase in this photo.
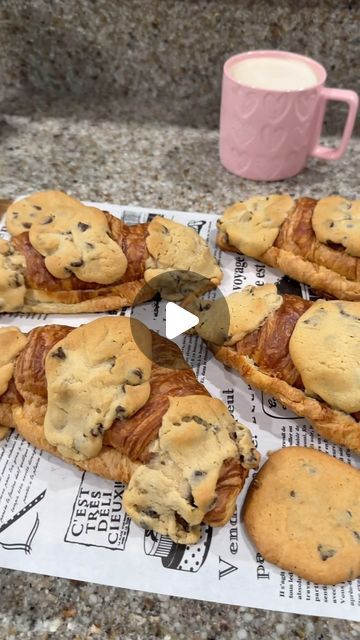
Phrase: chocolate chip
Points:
(334, 245)
(83, 226)
(312, 322)
(98, 430)
(151, 513)
(59, 353)
(138, 373)
(199, 474)
(112, 362)
(348, 315)
(293, 494)
(357, 535)
(233, 435)
(119, 412)
(349, 514)
(89, 245)
(325, 552)
(312, 471)
(198, 420)
(26, 225)
(331, 224)
(35, 206)
(15, 281)
(250, 458)
(47, 220)
(191, 500)
(180, 521)
(77, 263)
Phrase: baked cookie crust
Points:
(302, 512)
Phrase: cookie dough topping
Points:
(96, 374)
(175, 248)
(173, 492)
(12, 283)
(12, 341)
(73, 238)
(325, 349)
(337, 220)
(227, 320)
(252, 226)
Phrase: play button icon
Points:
(178, 320)
(179, 298)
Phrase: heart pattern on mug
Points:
(276, 106)
(296, 159)
(240, 159)
(273, 138)
(244, 133)
(260, 166)
(267, 134)
(305, 105)
(246, 103)
(302, 133)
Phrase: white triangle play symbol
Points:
(178, 320)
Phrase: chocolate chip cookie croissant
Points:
(65, 257)
(119, 401)
(314, 241)
(305, 354)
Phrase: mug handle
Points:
(352, 99)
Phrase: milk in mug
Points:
(274, 73)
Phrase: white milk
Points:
(279, 74)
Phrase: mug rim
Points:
(320, 71)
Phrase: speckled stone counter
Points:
(166, 50)
(130, 160)
(159, 166)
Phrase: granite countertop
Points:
(127, 161)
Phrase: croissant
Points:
(314, 241)
(131, 411)
(305, 354)
(65, 257)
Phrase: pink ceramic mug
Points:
(267, 134)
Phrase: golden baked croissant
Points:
(65, 257)
(305, 354)
(59, 392)
(313, 241)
